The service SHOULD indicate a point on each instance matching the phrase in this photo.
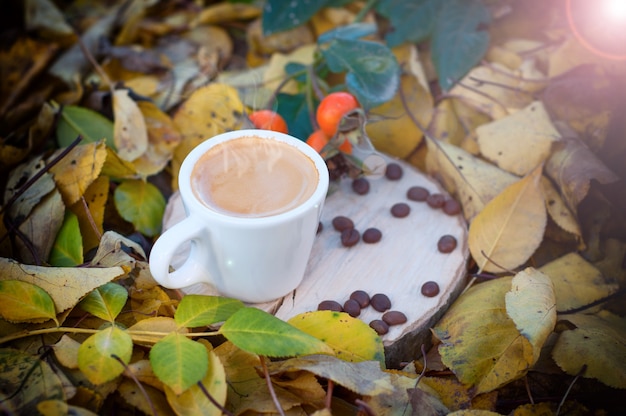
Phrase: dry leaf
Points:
(518, 143)
(66, 285)
(558, 210)
(129, 130)
(90, 212)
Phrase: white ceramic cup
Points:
(254, 259)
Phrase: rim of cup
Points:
(186, 169)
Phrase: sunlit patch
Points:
(614, 9)
(599, 26)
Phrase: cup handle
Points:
(192, 271)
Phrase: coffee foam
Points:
(254, 177)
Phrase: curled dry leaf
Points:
(519, 142)
(510, 227)
(559, 211)
(572, 166)
(130, 133)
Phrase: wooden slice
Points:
(398, 265)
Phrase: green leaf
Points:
(142, 204)
(295, 111)
(92, 126)
(200, 310)
(25, 302)
(261, 333)
(459, 39)
(352, 31)
(106, 301)
(96, 355)
(373, 74)
(67, 250)
(281, 15)
(179, 362)
(412, 21)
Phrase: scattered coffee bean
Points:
(393, 171)
(350, 237)
(446, 244)
(341, 223)
(329, 305)
(372, 235)
(451, 207)
(352, 307)
(320, 227)
(436, 200)
(361, 186)
(394, 318)
(417, 193)
(430, 289)
(400, 210)
(380, 302)
(379, 326)
(361, 297)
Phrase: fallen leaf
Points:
(77, 170)
(474, 181)
(598, 342)
(572, 166)
(66, 285)
(151, 330)
(147, 399)
(41, 228)
(130, 133)
(142, 204)
(67, 250)
(519, 142)
(559, 211)
(25, 302)
(66, 352)
(115, 250)
(43, 16)
(19, 176)
(531, 304)
(350, 338)
(77, 121)
(142, 371)
(105, 302)
(96, 355)
(89, 210)
(510, 227)
(576, 282)
(224, 12)
(480, 342)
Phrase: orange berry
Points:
(268, 120)
(317, 140)
(332, 109)
(346, 147)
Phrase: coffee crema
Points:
(253, 177)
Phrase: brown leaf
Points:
(130, 131)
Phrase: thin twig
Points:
(92, 222)
(329, 394)
(268, 380)
(141, 388)
(580, 373)
(212, 399)
(530, 394)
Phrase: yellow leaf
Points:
(275, 74)
(396, 132)
(90, 213)
(350, 338)
(142, 371)
(480, 342)
(576, 282)
(116, 167)
(510, 227)
(66, 351)
(66, 285)
(222, 12)
(474, 181)
(77, 170)
(159, 327)
(519, 142)
(25, 302)
(96, 355)
(154, 403)
(129, 130)
(599, 343)
(559, 211)
(531, 304)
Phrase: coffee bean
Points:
(400, 210)
(361, 186)
(372, 235)
(380, 302)
(361, 297)
(394, 318)
(320, 227)
(329, 305)
(430, 289)
(436, 200)
(341, 223)
(452, 207)
(417, 193)
(350, 237)
(446, 244)
(379, 326)
(393, 171)
(352, 307)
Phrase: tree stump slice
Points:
(398, 265)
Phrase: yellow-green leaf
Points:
(142, 204)
(599, 343)
(179, 362)
(510, 228)
(350, 338)
(200, 310)
(96, 355)
(480, 342)
(531, 304)
(25, 302)
(67, 250)
(106, 301)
